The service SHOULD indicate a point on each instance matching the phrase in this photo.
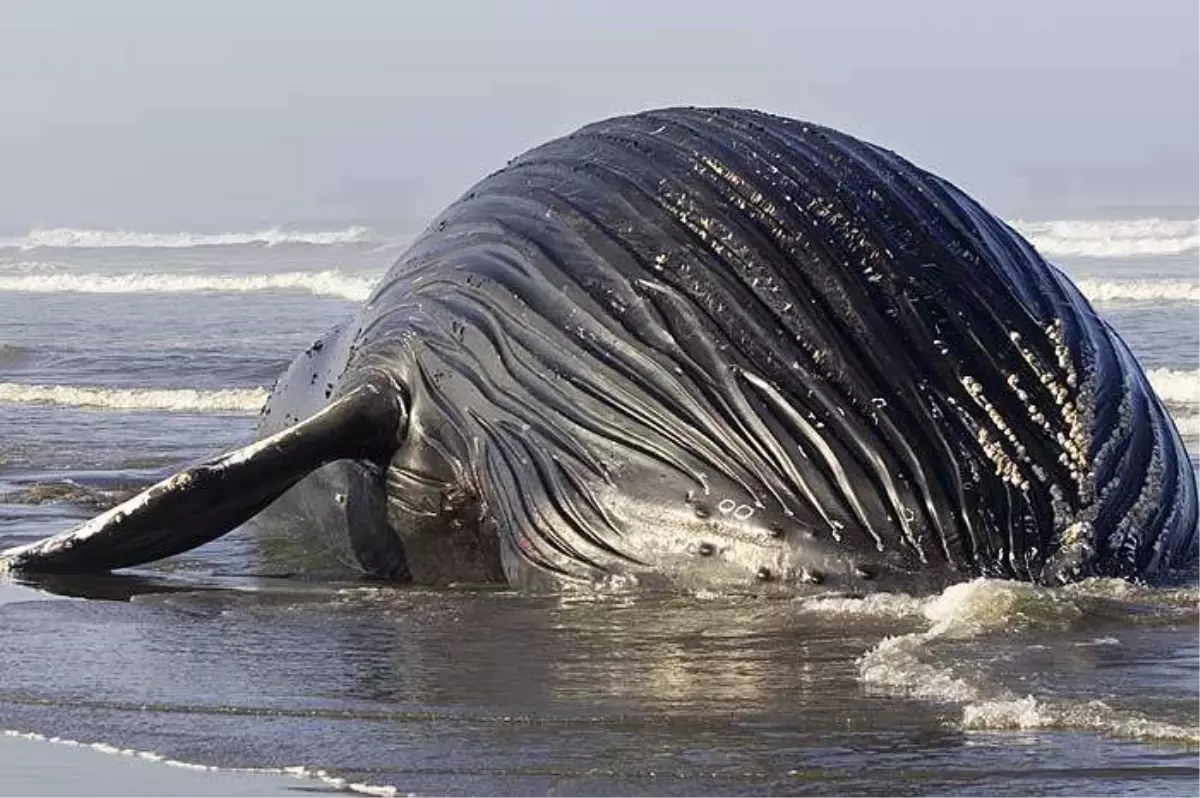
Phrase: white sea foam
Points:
(1188, 426)
(962, 611)
(240, 400)
(297, 772)
(1111, 239)
(324, 283)
(1111, 291)
(1176, 387)
(73, 238)
(903, 664)
(874, 605)
(1181, 392)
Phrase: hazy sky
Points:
(216, 114)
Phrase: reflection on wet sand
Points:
(486, 691)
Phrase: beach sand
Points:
(31, 766)
(39, 767)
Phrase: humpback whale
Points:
(702, 348)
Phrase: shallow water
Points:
(990, 688)
(462, 692)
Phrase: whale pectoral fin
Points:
(205, 501)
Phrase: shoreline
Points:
(34, 764)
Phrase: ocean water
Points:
(124, 354)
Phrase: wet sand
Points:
(37, 767)
(42, 767)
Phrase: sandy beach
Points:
(32, 765)
(39, 767)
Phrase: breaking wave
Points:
(325, 283)
(1180, 391)
(1102, 292)
(1188, 426)
(297, 772)
(905, 665)
(236, 400)
(1176, 387)
(73, 238)
(1111, 239)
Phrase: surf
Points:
(1111, 239)
(921, 664)
(1122, 291)
(330, 283)
(89, 238)
(232, 400)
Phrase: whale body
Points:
(703, 348)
